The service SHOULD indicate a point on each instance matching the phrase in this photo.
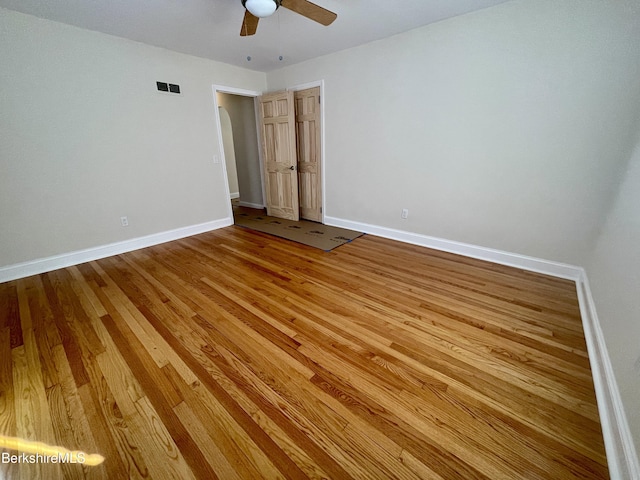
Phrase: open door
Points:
(277, 124)
(309, 155)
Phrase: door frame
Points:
(243, 93)
(323, 178)
(255, 94)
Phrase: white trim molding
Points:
(556, 269)
(622, 457)
(621, 453)
(42, 265)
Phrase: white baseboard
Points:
(234, 195)
(532, 264)
(250, 205)
(48, 264)
(621, 454)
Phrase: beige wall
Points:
(614, 275)
(508, 128)
(245, 139)
(85, 139)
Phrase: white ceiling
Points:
(211, 28)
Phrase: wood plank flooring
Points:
(235, 355)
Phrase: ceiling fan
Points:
(257, 9)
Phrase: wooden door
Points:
(277, 123)
(309, 154)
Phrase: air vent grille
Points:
(165, 87)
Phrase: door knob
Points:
(292, 167)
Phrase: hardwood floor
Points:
(235, 355)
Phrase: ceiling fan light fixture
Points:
(261, 8)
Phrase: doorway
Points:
(229, 152)
(245, 154)
(237, 116)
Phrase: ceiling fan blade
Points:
(311, 11)
(249, 24)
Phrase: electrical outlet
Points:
(405, 213)
(124, 221)
(216, 159)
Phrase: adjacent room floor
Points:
(236, 355)
(313, 234)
